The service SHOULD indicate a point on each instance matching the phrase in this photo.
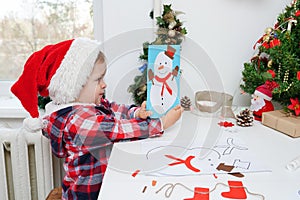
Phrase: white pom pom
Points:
(33, 124)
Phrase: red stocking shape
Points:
(237, 191)
(200, 194)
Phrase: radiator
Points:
(27, 168)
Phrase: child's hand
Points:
(142, 112)
(172, 116)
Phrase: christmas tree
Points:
(278, 58)
(170, 31)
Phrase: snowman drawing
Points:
(164, 89)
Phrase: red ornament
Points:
(270, 44)
(298, 75)
(274, 42)
(272, 73)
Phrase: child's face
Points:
(94, 89)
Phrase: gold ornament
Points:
(171, 33)
(172, 25)
(169, 17)
(270, 63)
(162, 31)
(168, 41)
(144, 88)
(266, 38)
(268, 30)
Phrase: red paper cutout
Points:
(226, 124)
(215, 176)
(187, 162)
(200, 194)
(135, 173)
(154, 183)
(236, 191)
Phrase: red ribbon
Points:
(164, 82)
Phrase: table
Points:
(123, 180)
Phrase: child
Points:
(81, 125)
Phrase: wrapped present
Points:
(280, 121)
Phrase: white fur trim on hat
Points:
(74, 70)
(264, 96)
(33, 124)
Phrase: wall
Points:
(225, 29)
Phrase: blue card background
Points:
(153, 51)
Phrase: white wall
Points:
(225, 29)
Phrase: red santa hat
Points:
(58, 71)
(264, 91)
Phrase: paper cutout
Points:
(229, 168)
(226, 168)
(230, 147)
(237, 191)
(144, 190)
(154, 183)
(226, 124)
(152, 150)
(230, 150)
(187, 162)
(241, 164)
(200, 194)
(215, 176)
(163, 85)
(237, 174)
(135, 173)
(209, 165)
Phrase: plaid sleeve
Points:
(131, 128)
(123, 111)
(102, 130)
(54, 130)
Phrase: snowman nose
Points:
(160, 67)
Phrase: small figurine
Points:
(261, 99)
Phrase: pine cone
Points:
(245, 118)
(186, 103)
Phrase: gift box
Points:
(280, 121)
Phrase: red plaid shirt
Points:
(84, 136)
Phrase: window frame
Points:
(10, 106)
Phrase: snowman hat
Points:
(58, 71)
(170, 52)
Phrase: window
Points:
(28, 25)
